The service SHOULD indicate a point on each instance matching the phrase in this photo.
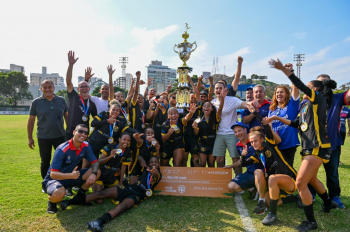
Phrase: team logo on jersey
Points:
(164, 155)
(268, 153)
(203, 149)
(116, 129)
(68, 159)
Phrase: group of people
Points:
(120, 151)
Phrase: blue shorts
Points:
(50, 186)
(245, 180)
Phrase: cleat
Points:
(306, 226)
(327, 209)
(269, 219)
(51, 207)
(339, 202)
(95, 226)
(253, 194)
(64, 204)
(69, 192)
(260, 208)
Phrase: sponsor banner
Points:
(200, 182)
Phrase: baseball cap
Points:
(250, 87)
(238, 124)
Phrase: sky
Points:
(40, 33)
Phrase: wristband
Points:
(292, 70)
(94, 173)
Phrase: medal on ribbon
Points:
(85, 118)
(149, 191)
(304, 125)
(111, 129)
(262, 158)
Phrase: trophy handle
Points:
(174, 48)
(194, 43)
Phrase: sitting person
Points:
(113, 163)
(128, 196)
(245, 180)
(63, 172)
(146, 149)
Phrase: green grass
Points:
(23, 206)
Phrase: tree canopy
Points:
(14, 87)
(96, 91)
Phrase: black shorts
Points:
(168, 151)
(128, 192)
(322, 153)
(205, 149)
(108, 177)
(137, 169)
(191, 144)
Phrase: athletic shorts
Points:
(322, 153)
(205, 149)
(245, 180)
(225, 141)
(128, 192)
(137, 170)
(51, 185)
(191, 144)
(168, 152)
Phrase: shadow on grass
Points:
(162, 213)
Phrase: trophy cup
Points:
(184, 50)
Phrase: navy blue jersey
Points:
(256, 165)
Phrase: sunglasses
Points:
(83, 132)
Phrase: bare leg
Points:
(106, 193)
(220, 161)
(178, 157)
(238, 170)
(184, 159)
(280, 181)
(260, 182)
(234, 187)
(195, 160)
(97, 188)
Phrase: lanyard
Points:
(303, 114)
(143, 116)
(111, 129)
(262, 158)
(87, 107)
(124, 113)
(149, 179)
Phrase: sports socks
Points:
(325, 198)
(309, 212)
(273, 206)
(289, 199)
(105, 218)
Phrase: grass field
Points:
(23, 206)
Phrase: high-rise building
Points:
(37, 78)
(13, 68)
(161, 75)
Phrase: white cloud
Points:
(347, 39)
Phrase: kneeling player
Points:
(63, 171)
(244, 180)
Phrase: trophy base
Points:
(185, 67)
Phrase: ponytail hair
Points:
(257, 130)
(325, 87)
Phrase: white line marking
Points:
(243, 212)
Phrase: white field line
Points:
(243, 212)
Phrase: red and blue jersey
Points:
(250, 168)
(67, 157)
(263, 111)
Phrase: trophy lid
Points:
(185, 35)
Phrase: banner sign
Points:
(190, 181)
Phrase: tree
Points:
(194, 78)
(14, 87)
(263, 77)
(63, 93)
(254, 76)
(243, 78)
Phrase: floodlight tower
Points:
(298, 58)
(123, 61)
(213, 71)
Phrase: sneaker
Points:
(306, 226)
(313, 197)
(43, 191)
(51, 207)
(338, 201)
(327, 209)
(64, 204)
(298, 202)
(253, 194)
(69, 192)
(76, 188)
(95, 226)
(269, 219)
(260, 208)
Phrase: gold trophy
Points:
(184, 50)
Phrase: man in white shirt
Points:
(225, 137)
(105, 90)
